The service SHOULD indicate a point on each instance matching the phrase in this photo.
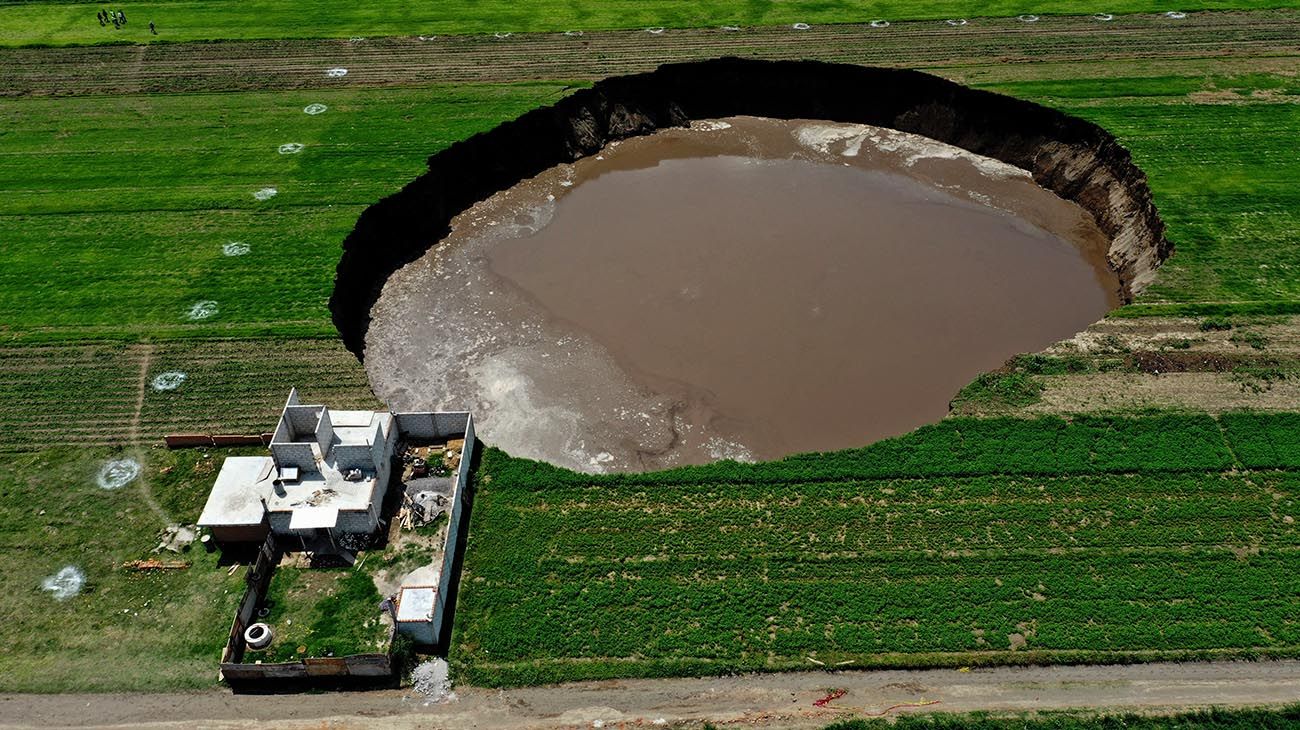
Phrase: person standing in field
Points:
(100, 17)
(152, 29)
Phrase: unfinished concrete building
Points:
(326, 476)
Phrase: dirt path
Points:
(770, 700)
(142, 383)
(988, 49)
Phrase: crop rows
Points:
(459, 59)
(110, 233)
(585, 581)
(87, 394)
(59, 23)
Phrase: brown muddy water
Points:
(744, 289)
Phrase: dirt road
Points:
(771, 700)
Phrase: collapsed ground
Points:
(114, 233)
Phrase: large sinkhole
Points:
(749, 287)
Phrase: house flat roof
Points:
(236, 497)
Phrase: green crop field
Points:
(1091, 540)
(129, 172)
(189, 20)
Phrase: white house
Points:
(326, 476)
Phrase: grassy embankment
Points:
(58, 23)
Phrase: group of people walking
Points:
(118, 19)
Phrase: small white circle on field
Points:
(314, 109)
(356, 39)
(117, 473)
(426, 37)
(170, 380)
(801, 26)
(66, 583)
(880, 24)
(1103, 17)
(289, 148)
(501, 36)
(731, 28)
(266, 193)
(1176, 15)
(573, 33)
(654, 31)
(236, 248)
(336, 73)
(1027, 18)
(205, 309)
(955, 21)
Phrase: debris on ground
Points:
(176, 538)
(156, 564)
(832, 695)
(432, 679)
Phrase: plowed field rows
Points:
(456, 59)
(86, 395)
(597, 579)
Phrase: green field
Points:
(1157, 537)
(58, 23)
(1098, 536)
(124, 225)
(127, 629)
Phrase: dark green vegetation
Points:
(971, 542)
(327, 612)
(187, 20)
(128, 629)
(1216, 719)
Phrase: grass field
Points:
(58, 23)
(127, 629)
(128, 169)
(126, 229)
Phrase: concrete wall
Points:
(324, 431)
(441, 628)
(294, 454)
(424, 425)
(355, 456)
(302, 420)
(356, 521)
(241, 533)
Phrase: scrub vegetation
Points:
(1114, 535)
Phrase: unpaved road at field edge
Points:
(768, 700)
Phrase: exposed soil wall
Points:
(1077, 160)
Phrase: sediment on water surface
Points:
(1075, 159)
